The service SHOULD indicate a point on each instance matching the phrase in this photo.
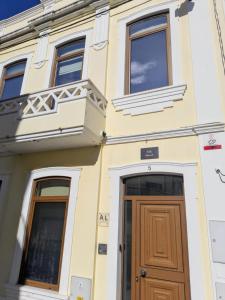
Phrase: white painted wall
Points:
(208, 102)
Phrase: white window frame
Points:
(73, 174)
(28, 57)
(188, 170)
(174, 37)
(87, 34)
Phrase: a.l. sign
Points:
(103, 219)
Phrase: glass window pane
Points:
(45, 243)
(127, 250)
(146, 24)
(69, 70)
(15, 68)
(148, 66)
(71, 47)
(53, 187)
(12, 87)
(154, 185)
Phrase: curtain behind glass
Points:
(44, 249)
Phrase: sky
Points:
(10, 8)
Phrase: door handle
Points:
(143, 273)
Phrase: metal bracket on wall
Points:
(221, 175)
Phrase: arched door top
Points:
(154, 185)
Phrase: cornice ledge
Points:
(150, 101)
(45, 21)
(180, 132)
(62, 12)
(20, 35)
(48, 17)
(209, 128)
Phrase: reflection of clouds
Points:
(138, 79)
(139, 70)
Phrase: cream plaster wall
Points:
(91, 189)
(83, 254)
(171, 150)
(94, 190)
(183, 112)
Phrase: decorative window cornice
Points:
(150, 101)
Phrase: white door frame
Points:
(188, 170)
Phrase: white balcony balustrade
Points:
(67, 116)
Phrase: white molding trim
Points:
(48, 5)
(101, 29)
(19, 292)
(87, 34)
(74, 174)
(41, 49)
(170, 6)
(157, 135)
(28, 57)
(150, 101)
(188, 170)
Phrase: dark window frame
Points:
(6, 77)
(64, 57)
(43, 199)
(163, 27)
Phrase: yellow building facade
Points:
(112, 151)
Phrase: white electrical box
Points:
(80, 288)
(217, 232)
(220, 291)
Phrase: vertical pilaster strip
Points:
(209, 110)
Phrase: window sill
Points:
(19, 292)
(150, 101)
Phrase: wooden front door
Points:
(159, 254)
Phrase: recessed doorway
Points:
(155, 251)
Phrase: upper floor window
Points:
(69, 62)
(148, 54)
(45, 233)
(12, 80)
